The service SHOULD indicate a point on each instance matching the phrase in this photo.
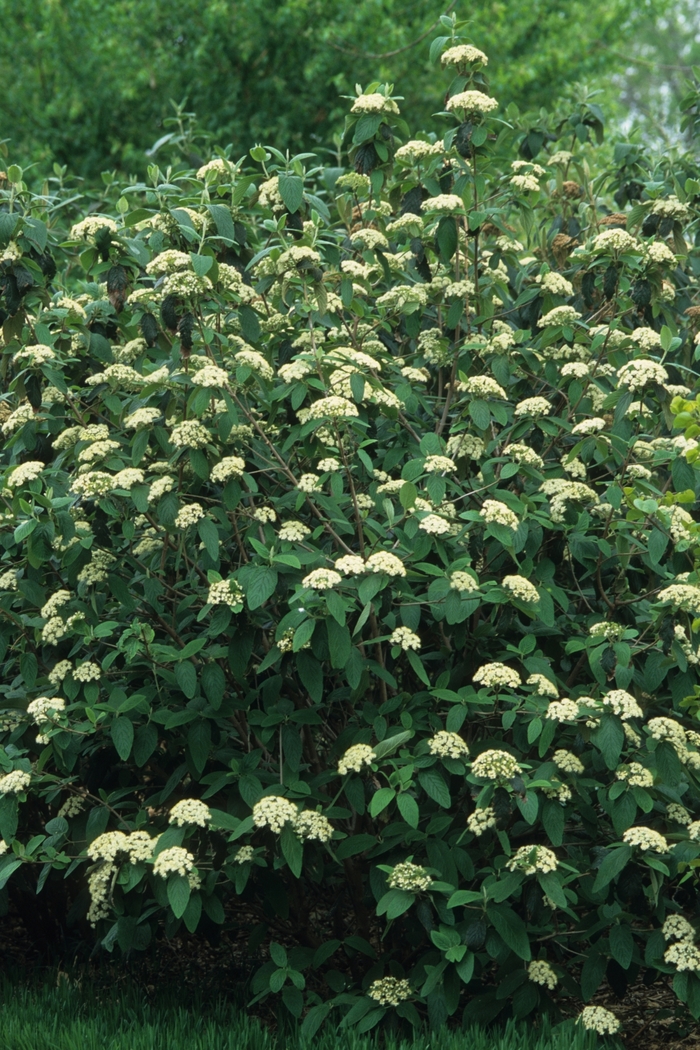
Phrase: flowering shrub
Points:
(349, 574)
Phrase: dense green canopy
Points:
(89, 83)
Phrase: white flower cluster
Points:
(296, 532)
(385, 561)
(481, 820)
(497, 676)
(642, 372)
(677, 928)
(683, 955)
(521, 588)
(565, 710)
(389, 991)
(554, 283)
(409, 877)
(462, 55)
(472, 102)
(567, 761)
(189, 515)
(443, 204)
(598, 1019)
(14, 782)
(542, 973)
(434, 525)
(87, 672)
(25, 472)
(482, 386)
(494, 511)
(173, 861)
(495, 765)
(646, 839)
(374, 103)
(273, 812)
(355, 758)
(635, 774)
(532, 859)
(225, 592)
(44, 709)
(615, 240)
(314, 826)
(227, 468)
(190, 811)
(321, 579)
(679, 814)
(447, 745)
(543, 685)
(190, 434)
(623, 704)
(684, 596)
(405, 638)
(560, 315)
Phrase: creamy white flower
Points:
(542, 973)
(543, 686)
(481, 820)
(405, 638)
(350, 564)
(472, 102)
(314, 826)
(598, 1019)
(409, 877)
(355, 758)
(567, 761)
(497, 676)
(531, 859)
(622, 704)
(646, 839)
(496, 512)
(173, 861)
(447, 745)
(273, 812)
(495, 765)
(321, 579)
(385, 561)
(389, 991)
(521, 588)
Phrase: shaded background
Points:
(88, 83)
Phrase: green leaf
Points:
(610, 738)
(186, 678)
(354, 845)
(339, 643)
(193, 912)
(8, 865)
(622, 944)
(303, 634)
(511, 928)
(178, 894)
(311, 675)
(122, 733)
(291, 189)
(395, 903)
(292, 850)
(668, 764)
(415, 662)
(446, 237)
(145, 743)
(390, 743)
(435, 787)
(592, 974)
(214, 684)
(553, 821)
(8, 816)
(380, 800)
(408, 808)
(224, 223)
(612, 865)
(199, 744)
(480, 413)
(408, 495)
(258, 582)
(209, 535)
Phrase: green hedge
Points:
(349, 563)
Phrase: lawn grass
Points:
(45, 1017)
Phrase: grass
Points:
(70, 1018)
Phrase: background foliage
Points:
(350, 580)
(89, 84)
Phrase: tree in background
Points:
(89, 83)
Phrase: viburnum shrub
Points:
(349, 578)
